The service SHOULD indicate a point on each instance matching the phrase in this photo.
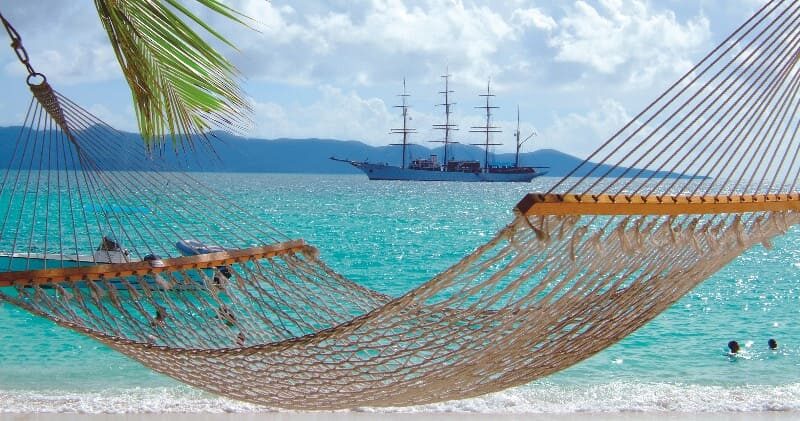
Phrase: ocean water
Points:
(393, 236)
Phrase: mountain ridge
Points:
(229, 153)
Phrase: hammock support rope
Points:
(90, 222)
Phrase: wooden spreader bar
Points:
(604, 204)
(115, 270)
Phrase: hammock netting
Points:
(101, 237)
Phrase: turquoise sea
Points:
(393, 236)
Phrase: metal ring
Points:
(33, 75)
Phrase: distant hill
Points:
(238, 154)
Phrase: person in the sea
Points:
(773, 344)
(734, 347)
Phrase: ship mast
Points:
(487, 128)
(405, 131)
(447, 126)
(519, 144)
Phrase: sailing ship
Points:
(430, 169)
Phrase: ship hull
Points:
(389, 172)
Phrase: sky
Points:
(577, 70)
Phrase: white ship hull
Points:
(389, 172)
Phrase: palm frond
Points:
(181, 86)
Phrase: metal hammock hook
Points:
(22, 54)
(37, 82)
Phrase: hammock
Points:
(101, 238)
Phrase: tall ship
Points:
(431, 169)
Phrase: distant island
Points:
(238, 154)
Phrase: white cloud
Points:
(68, 44)
(534, 17)
(335, 114)
(334, 45)
(121, 119)
(332, 69)
(579, 134)
(630, 39)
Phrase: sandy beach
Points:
(363, 416)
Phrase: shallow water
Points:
(392, 236)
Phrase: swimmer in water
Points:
(734, 347)
(773, 344)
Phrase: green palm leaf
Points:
(181, 86)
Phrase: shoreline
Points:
(613, 400)
(385, 416)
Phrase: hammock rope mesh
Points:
(705, 172)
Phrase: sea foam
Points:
(539, 397)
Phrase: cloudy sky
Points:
(332, 69)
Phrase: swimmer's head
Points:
(733, 346)
(773, 344)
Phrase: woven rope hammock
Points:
(90, 224)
